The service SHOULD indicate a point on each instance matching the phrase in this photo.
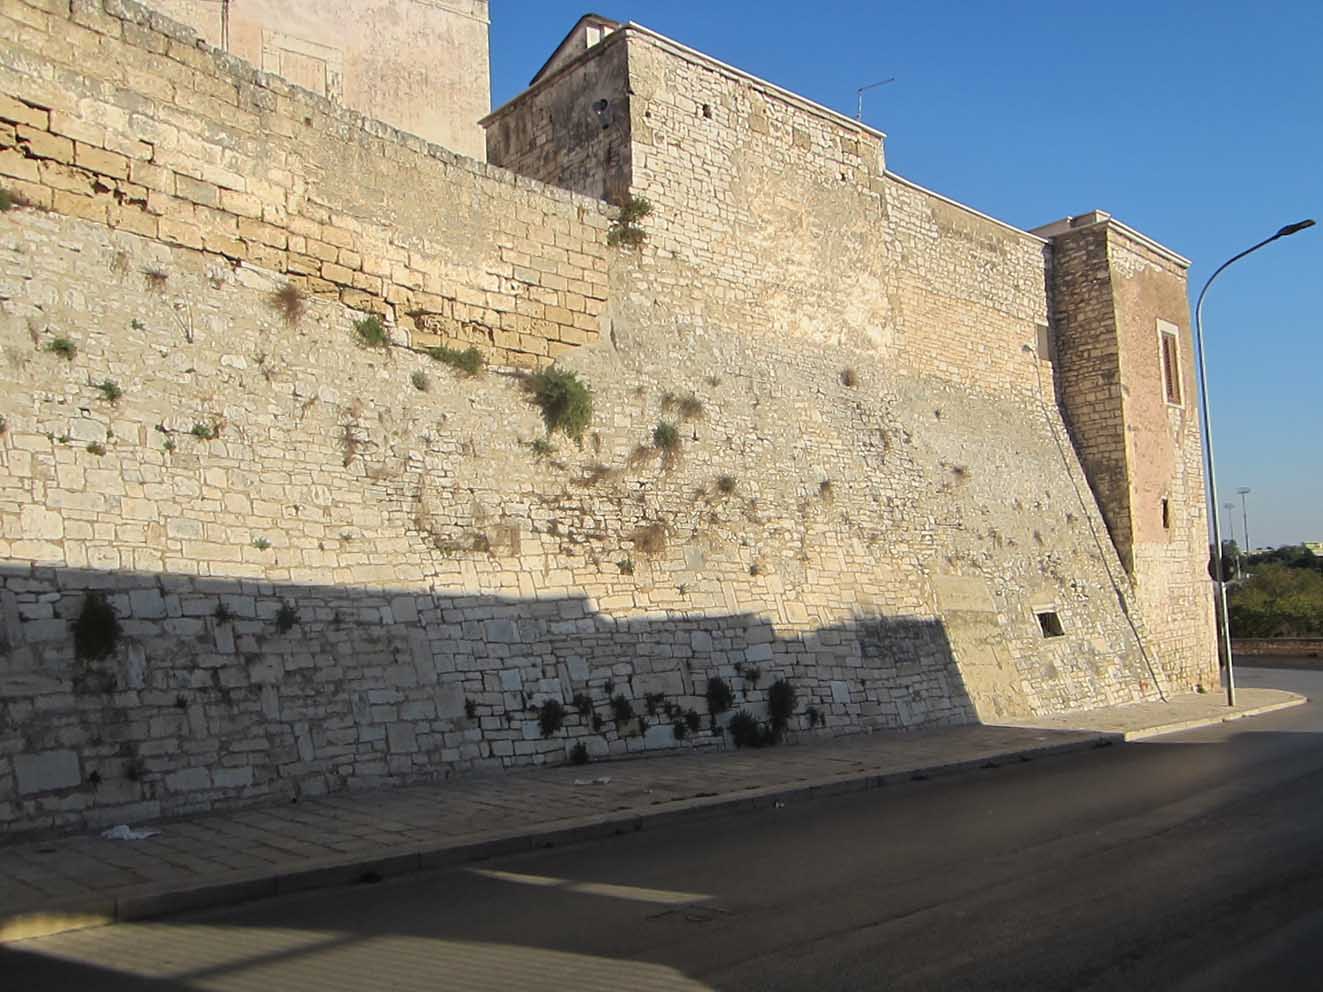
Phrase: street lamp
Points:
(1244, 491)
(1288, 230)
(1231, 511)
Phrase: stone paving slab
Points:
(221, 858)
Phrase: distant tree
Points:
(1278, 600)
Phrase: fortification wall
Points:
(372, 574)
(781, 217)
(116, 114)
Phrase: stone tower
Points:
(1126, 385)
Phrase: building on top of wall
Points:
(419, 65)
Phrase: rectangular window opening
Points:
(1166, 515)
(1051, 624)
(1171, 362)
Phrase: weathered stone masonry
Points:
(372, 576)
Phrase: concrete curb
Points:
(1212, 721)
(152, 901)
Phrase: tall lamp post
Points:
(1288, 230)
(1244, 491)
(1231, 512)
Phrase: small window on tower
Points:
(1050, 623)
(1166, 514)
(1169, 337)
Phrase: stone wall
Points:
(418, 65)
(336, 566)
(117, 115)
(861, 541)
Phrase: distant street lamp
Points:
(1244, 511)
(1288, 230)
(1231, 511)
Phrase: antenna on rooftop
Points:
(864, 89)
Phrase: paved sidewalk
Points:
(222, 858)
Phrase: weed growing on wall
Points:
(625, 229)
(371, 332)
(289, 302)
(7, 201)
(97, 630)
(666, 437)
(156, 279)
(720, 697)
(4, 426)
(420, 381)
(287, 618)
(626, 566)
(680, 730)
(63, 347)
(206, 432)
(693, 721)
(584, 705)
(542, 448)
(469, 361)
(621, 708)
(687, 407)
(566, 402)
(849, 379)
(781, 699)
(551, 717)
(650, 540)
(579, 754)
(261, 544)
(470, 709)
(746, 731)
(223, 614)
(726, 484)
(96, 448)
(110, 391)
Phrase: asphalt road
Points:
(1189, 862)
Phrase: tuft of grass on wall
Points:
(420, 381)
(110, 391)
(372, 332)
(63, 347)
(565, 400)
(551, 717)
(96, 448)
(97, 630)
(469, 361)
(650, 540)
(206, 432)
(666, 437)
(156, 279)
(290, 303)
(625, 229)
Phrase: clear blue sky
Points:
(1200, 124)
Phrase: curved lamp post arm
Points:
(1286, 231)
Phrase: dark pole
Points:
(1208, 445)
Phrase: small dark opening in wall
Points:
(1166, 515)
(707, 111)
(1051, 624)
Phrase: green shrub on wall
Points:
(566, 402)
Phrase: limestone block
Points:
(232, 778)
(147, 604)
(512, 680)
(401, 738)
(188, 780)
(840, 692)
(46, 771)
(450, 703)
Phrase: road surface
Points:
(1189, 862)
